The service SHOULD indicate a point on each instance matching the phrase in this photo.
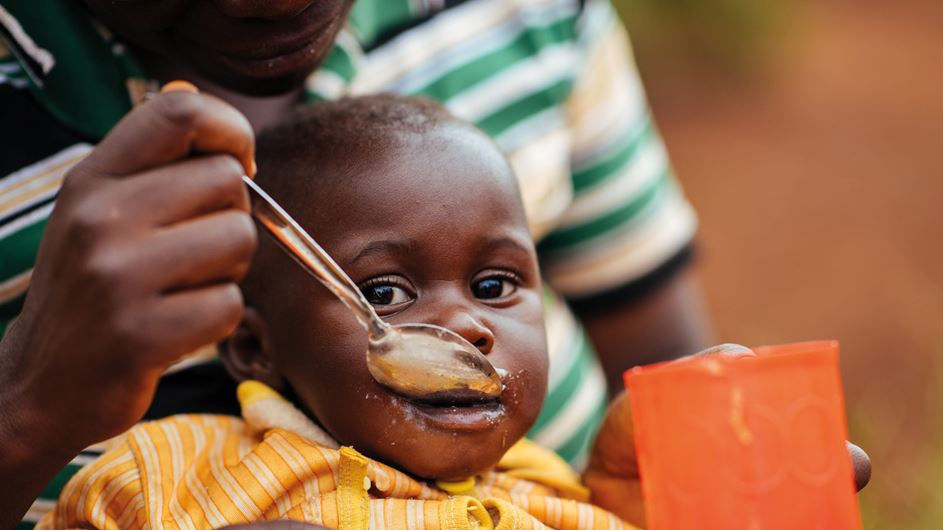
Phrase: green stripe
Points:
(572, 236)
(340, 62)
(578, 444)
(524, 108)
(24, 525)
(611, 165)
(524, 47)
(54, 488)
(371, 18)
(558, 396)
(19, 249)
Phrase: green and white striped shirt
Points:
(552, 81)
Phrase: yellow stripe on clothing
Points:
(197, 471)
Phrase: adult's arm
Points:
(138, 266)
(662, 318)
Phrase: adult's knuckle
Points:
(87, 221)
(105, 272)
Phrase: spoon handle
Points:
(308, 253)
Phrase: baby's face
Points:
(435, 235)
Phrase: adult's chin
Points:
(258, 77)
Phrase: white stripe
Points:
(27, 188)
(229, 485)
(481, 45)
(25, 221)
(154, 477)
(596, 16)
(573, 415)
(414, 52)
(645, 168)
(15, 82)
(98, 516)
(627, 254)
(192, 480)
(74, 151)
(135, 505)
(39, 508)
(326, 84)
(181, 516)
(269, 482)
(523, 78)
(42, 56)
(546, 122)
(83, 460)
(9, 68)
(566, 361)
(296, 462)
(541, 169)
(87, 485)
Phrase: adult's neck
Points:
(260, 111)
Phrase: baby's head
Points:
(423, 213)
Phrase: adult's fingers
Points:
(190, 319)
(726, 350)
(186, 189)
(861, 463)
(215, 248)
(169, 127)
(211, 249)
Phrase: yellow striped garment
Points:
(207, 471)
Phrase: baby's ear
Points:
(247, 353)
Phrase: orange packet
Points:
(751, 444)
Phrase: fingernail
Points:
(181, 85)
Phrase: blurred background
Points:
(809, 136)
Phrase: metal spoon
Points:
(415, 360)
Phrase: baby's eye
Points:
(385, 294)
(494, 287)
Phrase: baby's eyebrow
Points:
(387, 246)
(495, 243)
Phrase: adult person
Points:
(140, 219)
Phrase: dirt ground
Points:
(819, 182)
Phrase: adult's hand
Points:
(137, 267)
(612, 475)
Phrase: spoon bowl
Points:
(414, 360)
(423, 361)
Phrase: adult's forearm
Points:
(664, 323)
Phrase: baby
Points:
(422, 211)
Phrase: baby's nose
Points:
(273, 9)
(472, 329)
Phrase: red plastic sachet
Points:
(752, 444)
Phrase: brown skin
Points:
(665, 324)
(124, 284)
(139, 265)
(256, 47)
(433, 232)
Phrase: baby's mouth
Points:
(463, 410)
(455, 398)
